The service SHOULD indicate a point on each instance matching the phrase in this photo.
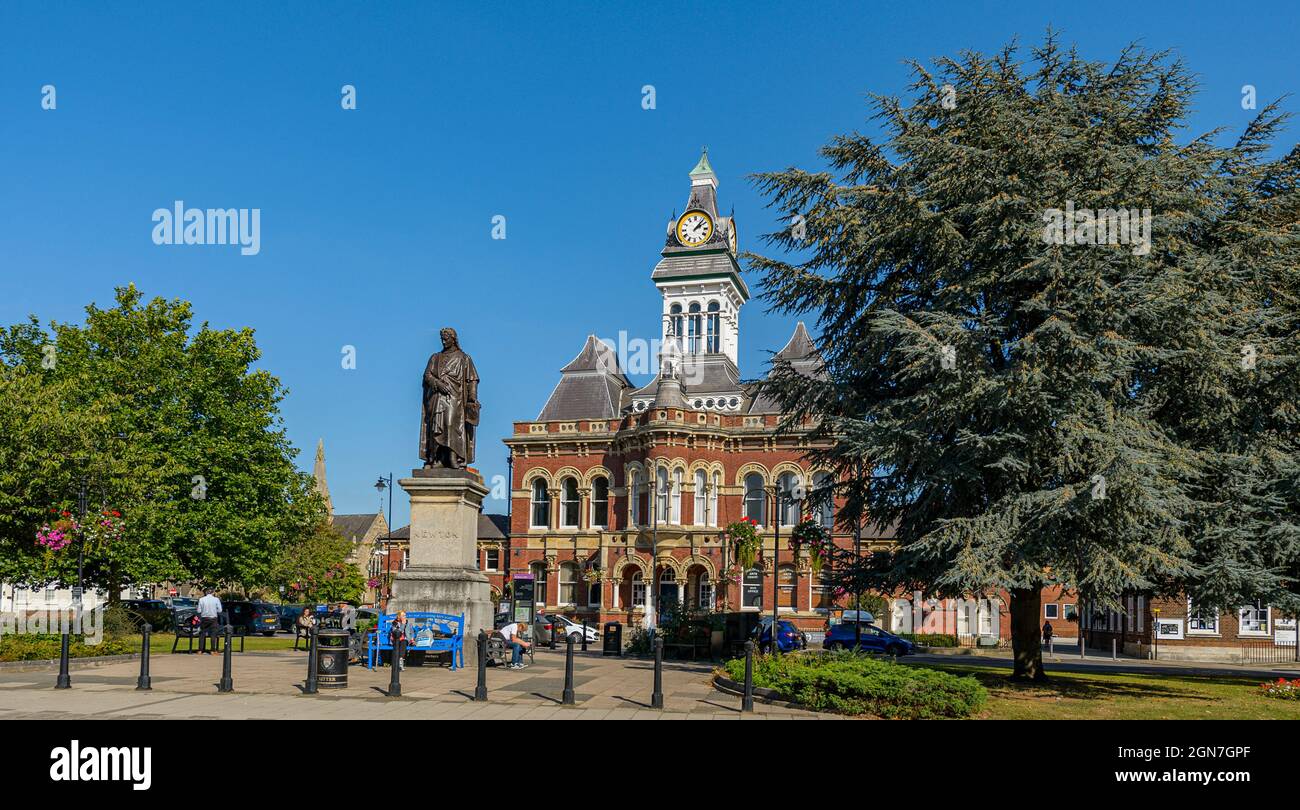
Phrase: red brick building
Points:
(584, 521)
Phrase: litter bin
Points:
(332, 658)
(613, 639)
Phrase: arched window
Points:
(675, 319)
(600, 502)
(539, 582)
(713, 498)
(705, 595)
(541, 505)
(661, 494)
(694, 332)
(789, 508)
(714, 329)
(568, 584)
(824, 510)
(677, 498)
(636, 486)
(701, 516)
(638, 590)
(755, 499)
(785, 586)
(569, 503)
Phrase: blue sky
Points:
(376, 222)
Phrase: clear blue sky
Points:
(376, 222)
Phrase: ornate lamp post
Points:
(780, 497)
(382, 484)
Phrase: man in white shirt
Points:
(513, 633)
(209, 610)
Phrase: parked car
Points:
(788, 637)
(564, 628)
(254, 617)
(844, 635)
(177, 602)
(153, 611)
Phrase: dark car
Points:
(844, 636)
(289, 616)
(153, 611)
(253, 617)
(788, 637)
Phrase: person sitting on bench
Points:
(513, 634)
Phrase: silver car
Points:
(564, 628)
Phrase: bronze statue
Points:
(451, 406)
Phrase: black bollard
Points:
(480, 691)
(143, 681)
(584, 635)
(657, 696)
(63, 681)
(747, 699)
(395, 680)
(554, 625)
(567, 697)
(226, 684)
(310, 687)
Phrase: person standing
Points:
(397, 636)
(210, 610)
(1047, 634)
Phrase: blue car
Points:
(788, 637)
(843, 636)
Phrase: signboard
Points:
(522, 596)
(1171, 629)
(751, 590)
(1284, 638)
(76, 596)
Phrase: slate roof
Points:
(490, 527)
(591, 386)
(674, 265)
(353, 527)
(802, 355)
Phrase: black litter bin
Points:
(613, 639)
(332, 658)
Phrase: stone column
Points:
(444, 575)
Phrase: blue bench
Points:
(425, 632)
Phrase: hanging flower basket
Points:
(808, 534)
(591, 575)
(743, 535)
(96, 530)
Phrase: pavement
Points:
(268, 685)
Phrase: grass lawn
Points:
(162, 643)
(1106, 696)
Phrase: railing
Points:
(1266, 652)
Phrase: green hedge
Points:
(854, 684)
(46, 647)
(931, 639)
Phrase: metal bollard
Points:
(143, 682)
(63, 681)
(584, 635)
(395, 680)
(1083, 651)
(1051, 646)
(747, 699)
(310, 687)
(226, 684)
(480, 691)
(1114, 655)
(567, 697)
(657, 696)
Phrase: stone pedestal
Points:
(443, 574)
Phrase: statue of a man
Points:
(451, 406)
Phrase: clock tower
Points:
(701, 289)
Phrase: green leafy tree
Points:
(1026, 412)
(315, 568)
(168, 423)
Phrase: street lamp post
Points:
(779, 497)
(381, 484)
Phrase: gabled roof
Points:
(354, 527)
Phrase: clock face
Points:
(694, 228)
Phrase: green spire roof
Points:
(703, 166)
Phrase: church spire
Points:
(318, 473)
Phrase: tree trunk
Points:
(1026, 606)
